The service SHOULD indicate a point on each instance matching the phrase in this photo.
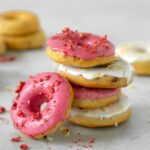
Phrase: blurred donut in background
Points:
(21, 30)
(138, 54)
(2, 46)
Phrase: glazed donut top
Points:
(103, 112)
(134, 51)
(83, 93)
(50, 88)
(85, 46)
(119, 68)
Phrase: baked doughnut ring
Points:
(26, 112)
(2, 46)
(111, 115)
(94, 97)
(138, 54)
(115, 75)
(79, 49)
(29, 41)
(18, 23)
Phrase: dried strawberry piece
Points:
(51, 89)
(35, 81)
(37, 115)
(16, 139)
(49, 97)
(3, 59)
(24, 146)
(23, 123)
(2, 109)
(20, 113)
(12, 58)
(19, 87)
(47, 77)
(103, 38)
(15, 124)
(14, 106)
(57, 82)
(41, 80)
(65, 30)
(92, 141)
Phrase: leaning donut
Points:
(26, 113)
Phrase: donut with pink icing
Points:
(94, 97)
(26, 112)
(80, 49)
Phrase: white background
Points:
(126, 20)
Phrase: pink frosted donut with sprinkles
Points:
(79, 49)
(27, 114)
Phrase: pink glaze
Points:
(50, 88)
(83, 93)
(82, 45)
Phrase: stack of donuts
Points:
(20, 30)
(88, 70)
(88, 62)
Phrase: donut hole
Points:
(38, 103)
(43, 106)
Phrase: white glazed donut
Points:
(118, 69)
(137, 53)
(102, 116)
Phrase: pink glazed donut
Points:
(26, 113)
(94, 97)
(79, 49)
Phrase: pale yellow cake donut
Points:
(75, 61)
(91, 103)
(29, 41)
(138, 54)
(18, 23)
(115, 75)
(111, 115)
(2, 46)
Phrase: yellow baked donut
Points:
(79, 49)
(2, 46)
(18, 23)
(138, 54)
(29, 41)
(111, 115)
(115, 75)
(94, 97)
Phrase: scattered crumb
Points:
(84, 143)
(116, 124)
(65, 129)
(2, 109)
(48, 138)
(3, 59)
(16, 139)
(9, 90)
(132, 87)
(24, 146)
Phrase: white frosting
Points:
(103, 112)
(119, 68)
(134, 51)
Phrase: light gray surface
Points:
(122, 21)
